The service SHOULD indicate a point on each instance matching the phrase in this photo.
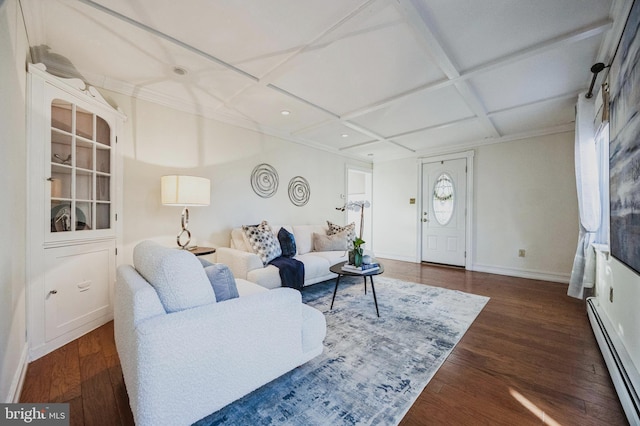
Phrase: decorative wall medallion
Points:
(264, 180)
(299, 191)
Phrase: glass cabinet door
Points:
(80, 169)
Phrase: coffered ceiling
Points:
(376, 79)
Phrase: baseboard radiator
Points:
(623, 373)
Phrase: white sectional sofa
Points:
(247, 265)
(183, 363)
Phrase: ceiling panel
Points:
(253, 35)
(263, 105)
(420, 110)
(355, 71)
(335, 134)
(542, 115)
(428, 74)
(463, 132)
(379, 151)
(100, 46)
(557, 72)
(476, 32)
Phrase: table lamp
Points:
(185, 191)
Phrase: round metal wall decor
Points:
(264, 180)
(299, 191)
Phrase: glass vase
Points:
(357, 257)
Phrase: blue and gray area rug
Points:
(372, 369)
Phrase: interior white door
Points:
(444, 205)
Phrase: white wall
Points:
(160, 140)
(395, 228)
(524, 197)
(13, 51)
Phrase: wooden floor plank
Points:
(37, 382)
(65, 375)
(529, 358)
(98, 400)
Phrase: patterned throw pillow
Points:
(350, 228)
(262, 241)
(287, 243)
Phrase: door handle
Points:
(84, 285)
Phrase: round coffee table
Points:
(337, 269)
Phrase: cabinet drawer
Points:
(77, 286)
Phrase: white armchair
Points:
(180, 367)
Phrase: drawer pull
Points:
(84, 285)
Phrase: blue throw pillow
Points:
(205, 262)
(287, 243)
(222, 281)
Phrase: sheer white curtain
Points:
(588, 186)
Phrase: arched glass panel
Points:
(443, 199)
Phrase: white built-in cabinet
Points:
(74, 181)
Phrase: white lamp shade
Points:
(179, 190)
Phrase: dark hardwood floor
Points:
(529, 358)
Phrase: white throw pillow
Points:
(177, 276)
(330, 242)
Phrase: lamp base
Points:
(184, 221)
(184, 245)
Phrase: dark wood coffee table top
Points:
(337, 269)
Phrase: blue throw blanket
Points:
(291, 271)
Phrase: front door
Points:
(444, 205)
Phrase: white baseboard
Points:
(392, 256)
(492, 269)
(523, 273)
(18, 378)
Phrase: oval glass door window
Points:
(443, 199)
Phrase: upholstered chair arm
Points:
(206, 357)
(240, 262)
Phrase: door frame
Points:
(345, 197)
(468, 155)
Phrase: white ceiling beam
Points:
(285, 65)
(435, 127)
(420, 22)
(563, 96)
(304, 101)
(530, 134)
(532, 51)
(371, 134)
(168, 38)
(537, 49)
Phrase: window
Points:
(443, 199)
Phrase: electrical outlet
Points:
(611, 294)
(522, 252)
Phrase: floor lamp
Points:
(185, 191)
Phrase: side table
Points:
(337, 269)
(201, 251)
